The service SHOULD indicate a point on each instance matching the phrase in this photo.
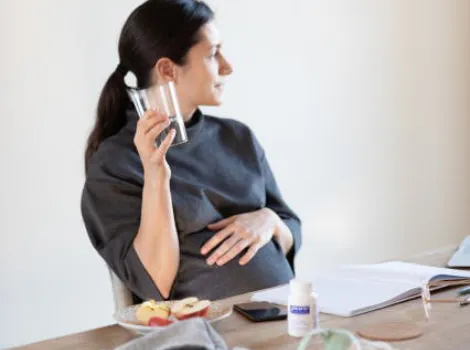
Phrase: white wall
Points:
(363, 107)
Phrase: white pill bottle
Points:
(302, 313)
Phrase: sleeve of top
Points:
(111, 210)
(275, 202)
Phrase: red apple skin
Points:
(201, 313)
(159, 322)
(204, 312)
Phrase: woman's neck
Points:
(188, 113)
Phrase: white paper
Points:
(461, 258)
(276, 295)
(353, 289)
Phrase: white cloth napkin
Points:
(191, 334)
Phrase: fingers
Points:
(249, 254)
(157, 130)
(149, 120)
(165, 145)
(222, 223)
(149, 127)
(153, 113)
(224, 248)
(217, 238)
(233, 252)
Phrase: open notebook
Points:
(355, 289)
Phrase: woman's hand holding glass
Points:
(153, 158)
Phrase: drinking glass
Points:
(162, 98)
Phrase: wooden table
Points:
(449, 327)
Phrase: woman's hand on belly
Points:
(245, 231)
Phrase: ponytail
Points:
(110, 114)
(155, 29)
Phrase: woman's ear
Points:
(165, 70)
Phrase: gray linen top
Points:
(222, 171)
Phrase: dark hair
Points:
(155, 29)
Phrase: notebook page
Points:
(347, 296)
(374, 272)
(415, 274)
(276, 295)
(343, 296)
(353, 289)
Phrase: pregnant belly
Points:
(268, 268)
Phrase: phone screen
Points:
(262, 311)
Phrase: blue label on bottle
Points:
(300, 310)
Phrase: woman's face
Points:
(201, 80)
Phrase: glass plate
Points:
(127, 319)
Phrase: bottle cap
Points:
(300, 287)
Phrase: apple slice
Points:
(190, 307)
(181, 304)
(150, 309)
(159, 322)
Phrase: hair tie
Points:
(121, 70)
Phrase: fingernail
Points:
(209, 262)
(220, 263)
(203, 251)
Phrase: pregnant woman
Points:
(204, 218)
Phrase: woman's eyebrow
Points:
(216, 46)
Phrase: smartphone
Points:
(259, 311)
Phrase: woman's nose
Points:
(225, 67)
